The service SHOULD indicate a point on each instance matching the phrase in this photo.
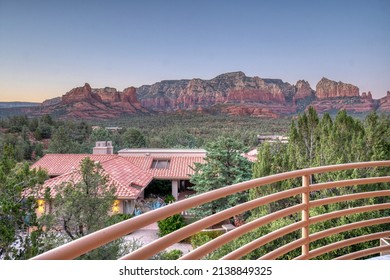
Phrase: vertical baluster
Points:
(305, 213)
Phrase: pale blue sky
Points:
(49, 47)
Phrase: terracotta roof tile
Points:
(179, 167)
(129, 179)
(130, 174)
(58, 164)
(126, 173)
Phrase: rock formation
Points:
(87, 103)
(229, 88)
(331, 89)
(384, 103)
(231, 93)
(52, 101)
(303, 91)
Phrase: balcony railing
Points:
(94, 240)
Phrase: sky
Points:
(49, 47)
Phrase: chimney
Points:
(103, 148)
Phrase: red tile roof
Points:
(58, 164)
(126, 173)
(128, 179)
(179, 167)
(130, 174)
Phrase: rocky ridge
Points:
(231, 93)
(384, 103)
(228, 89)
(87, 103)
(330, 89)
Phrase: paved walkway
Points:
(150, 233)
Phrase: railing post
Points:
(305, 213)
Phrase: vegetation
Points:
(170, 224)
(169, 199)
(84, 207)
(224, 165)
(171, 255)
(203, 237)
(316, 141)
(31, 138)
(21, 236)
(194, 130)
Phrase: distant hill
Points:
(16, 108)
(18, 104)
(230, 93)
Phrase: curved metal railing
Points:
(94, 240)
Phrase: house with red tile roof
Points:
(130, 171)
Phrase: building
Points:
(272, 138)
(131, 171)
(103, 148)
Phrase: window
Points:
(160, 163)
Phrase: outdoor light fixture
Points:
(115, 207)
(41, 206)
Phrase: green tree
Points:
(224, 165)
(133, 138)
(307, 135)
(100, 134)
(70, 137)
(378, 136)
(179, 137)
(16, 123)
(84, 207)
(314, 142)
(17, 208)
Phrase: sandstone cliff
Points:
(231, 93)
(87, 103)
(52, 101)
(303, 91)
(384, 103)
(229, 88)
(331, 89)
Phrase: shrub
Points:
(203, 237)
(118, 218)
(169, 198)
(171, 255)
(170, 224)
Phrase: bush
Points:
(169, 198)
(171, 255)
(114, 219)
(170, 224)
(203, 237)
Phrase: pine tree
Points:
(17, 208)
(224, 165)
(317, 142)
(84, 207)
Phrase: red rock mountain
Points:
(230, 93)
(222, 92)
(384, 103)
(330, 89)
(87, 103)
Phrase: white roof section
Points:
(162, 152)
